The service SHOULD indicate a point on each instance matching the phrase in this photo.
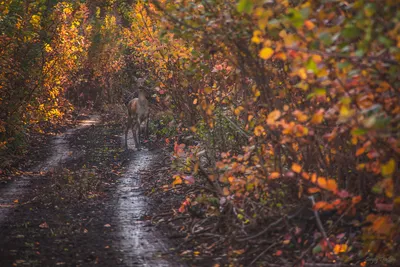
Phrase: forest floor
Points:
(81, 202)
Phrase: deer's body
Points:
(138, 112)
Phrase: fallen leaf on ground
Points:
(44, 225)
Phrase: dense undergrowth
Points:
(284, 115)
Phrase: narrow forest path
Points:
(83, 205)
(141, 245)
(11, 193)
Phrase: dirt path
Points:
(62, 226)
(10, 193)
(140, 243)
(142, 246)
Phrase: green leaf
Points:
(245, 6)
(351, 32)
(326, 38)
(296, 18)
(369, 9)
(317, 249)
(359, 132)
(343, 65)
(386, 41)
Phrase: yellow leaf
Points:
(208, 90)
(345, 113)
(340, 248)
(302, 73)
(239, 251)
(177, 180)
(388, 168)
(238, 110)
(296, 168)
(256, 37)
(266, 53)
(259, 130)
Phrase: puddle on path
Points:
(20, 186)
(139, 241)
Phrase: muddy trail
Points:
(84, 205)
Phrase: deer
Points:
(138, 112)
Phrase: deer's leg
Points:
(134, 127)
(137, 124)
(147, 127)
(128, 126)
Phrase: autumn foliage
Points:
(293, 104)
(303, 95)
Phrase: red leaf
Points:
(44, 225)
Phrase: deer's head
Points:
(140, 81)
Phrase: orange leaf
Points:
(332, 185)
(300, 116)
(322, 182)
(313, 190)
(318, 117)
(273, 116)
(225, 191)
(320, 205)
(340, 248)
(356, 199)
(360, 151)
(314, 178)
(259, 130)
(296, 168)
(305, 175)
(177, 180)
(274, 175)
(309, 24)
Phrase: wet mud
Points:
(111, 229)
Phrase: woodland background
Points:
(268, 103)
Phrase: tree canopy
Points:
(287, 100)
